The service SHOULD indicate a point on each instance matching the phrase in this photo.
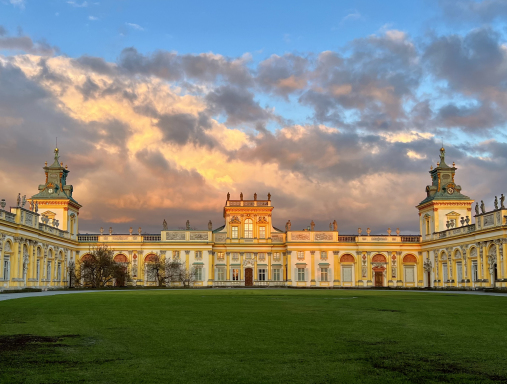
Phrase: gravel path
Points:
(10, 296)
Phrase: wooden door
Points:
(378, 279)
(248, 277)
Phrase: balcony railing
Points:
(410, 239)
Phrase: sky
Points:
(336, 108)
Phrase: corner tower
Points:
(444, 203)
(55, 197)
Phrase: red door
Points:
(248, 277)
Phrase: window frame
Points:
(324, 274)
(277, 274)
(262, 232)
(235, 232)
(248, 226)
(301, 274)
(261, 274)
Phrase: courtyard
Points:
(253, 335)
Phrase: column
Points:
(227, 266)
(312, 268)
(420, 269)
(288, 268)
(269, 265)
(211, 268)
(336, 273)
(241, 269)
(499, 253)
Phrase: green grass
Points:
(254, 336)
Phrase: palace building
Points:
(460, 245)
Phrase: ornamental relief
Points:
(300, 236)
(199, 236)
(175, 235)
(323, 236)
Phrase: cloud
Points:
(166, 135)
(135, 26)
(18, 3)
(25, 44)
(352, 17)
(76, 4)
(93, 18)
(471, 10)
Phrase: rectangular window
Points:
(38, 270)
(276, 256)
(48, 272)
(444, 271)
(347, 274)
(262, 232)
(427, 227)
(277, 275)
(301, 274)
(475, 272)
(323, 255)
(59, 272)
(220, 256)
(235, 274)
(409, 274)
(235, 232)
(301, 255)
(221, 274)
(459, 271)
(262, 275)
(6, 269)
(198, 274)
(324, 274)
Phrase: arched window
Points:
(248, 229)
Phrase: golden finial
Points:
(66, 166)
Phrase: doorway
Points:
(379, 277)
(429, 281)
(248, 277)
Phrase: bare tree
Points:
(99, 268)
(165, 272)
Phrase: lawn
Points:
(254, 336)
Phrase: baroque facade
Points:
(459, 245)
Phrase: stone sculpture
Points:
(502, 201)
(164, 225)
(476, 209)
(288, 225)
(130, 231)
(36, 206)
(139, 230)
(241, 196)
(255, 196)
(23, 202)
(397, 231)
(335, 225)
(228, 196)
(496, 203)
(19, 199)
(312, 225)
(110, 230)
(388, 231)
(210, 226)
(483, 207)
(269, 196)
(187, 226)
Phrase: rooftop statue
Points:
(164, 225)
(496, 203)
(477, 209)
(502, 201)
(335, 225)
(241, 196)
(483, 207)
(255, 196)
(187, 226)
(312, 225)
(228, 196)
(210, 226)
(288, 225)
